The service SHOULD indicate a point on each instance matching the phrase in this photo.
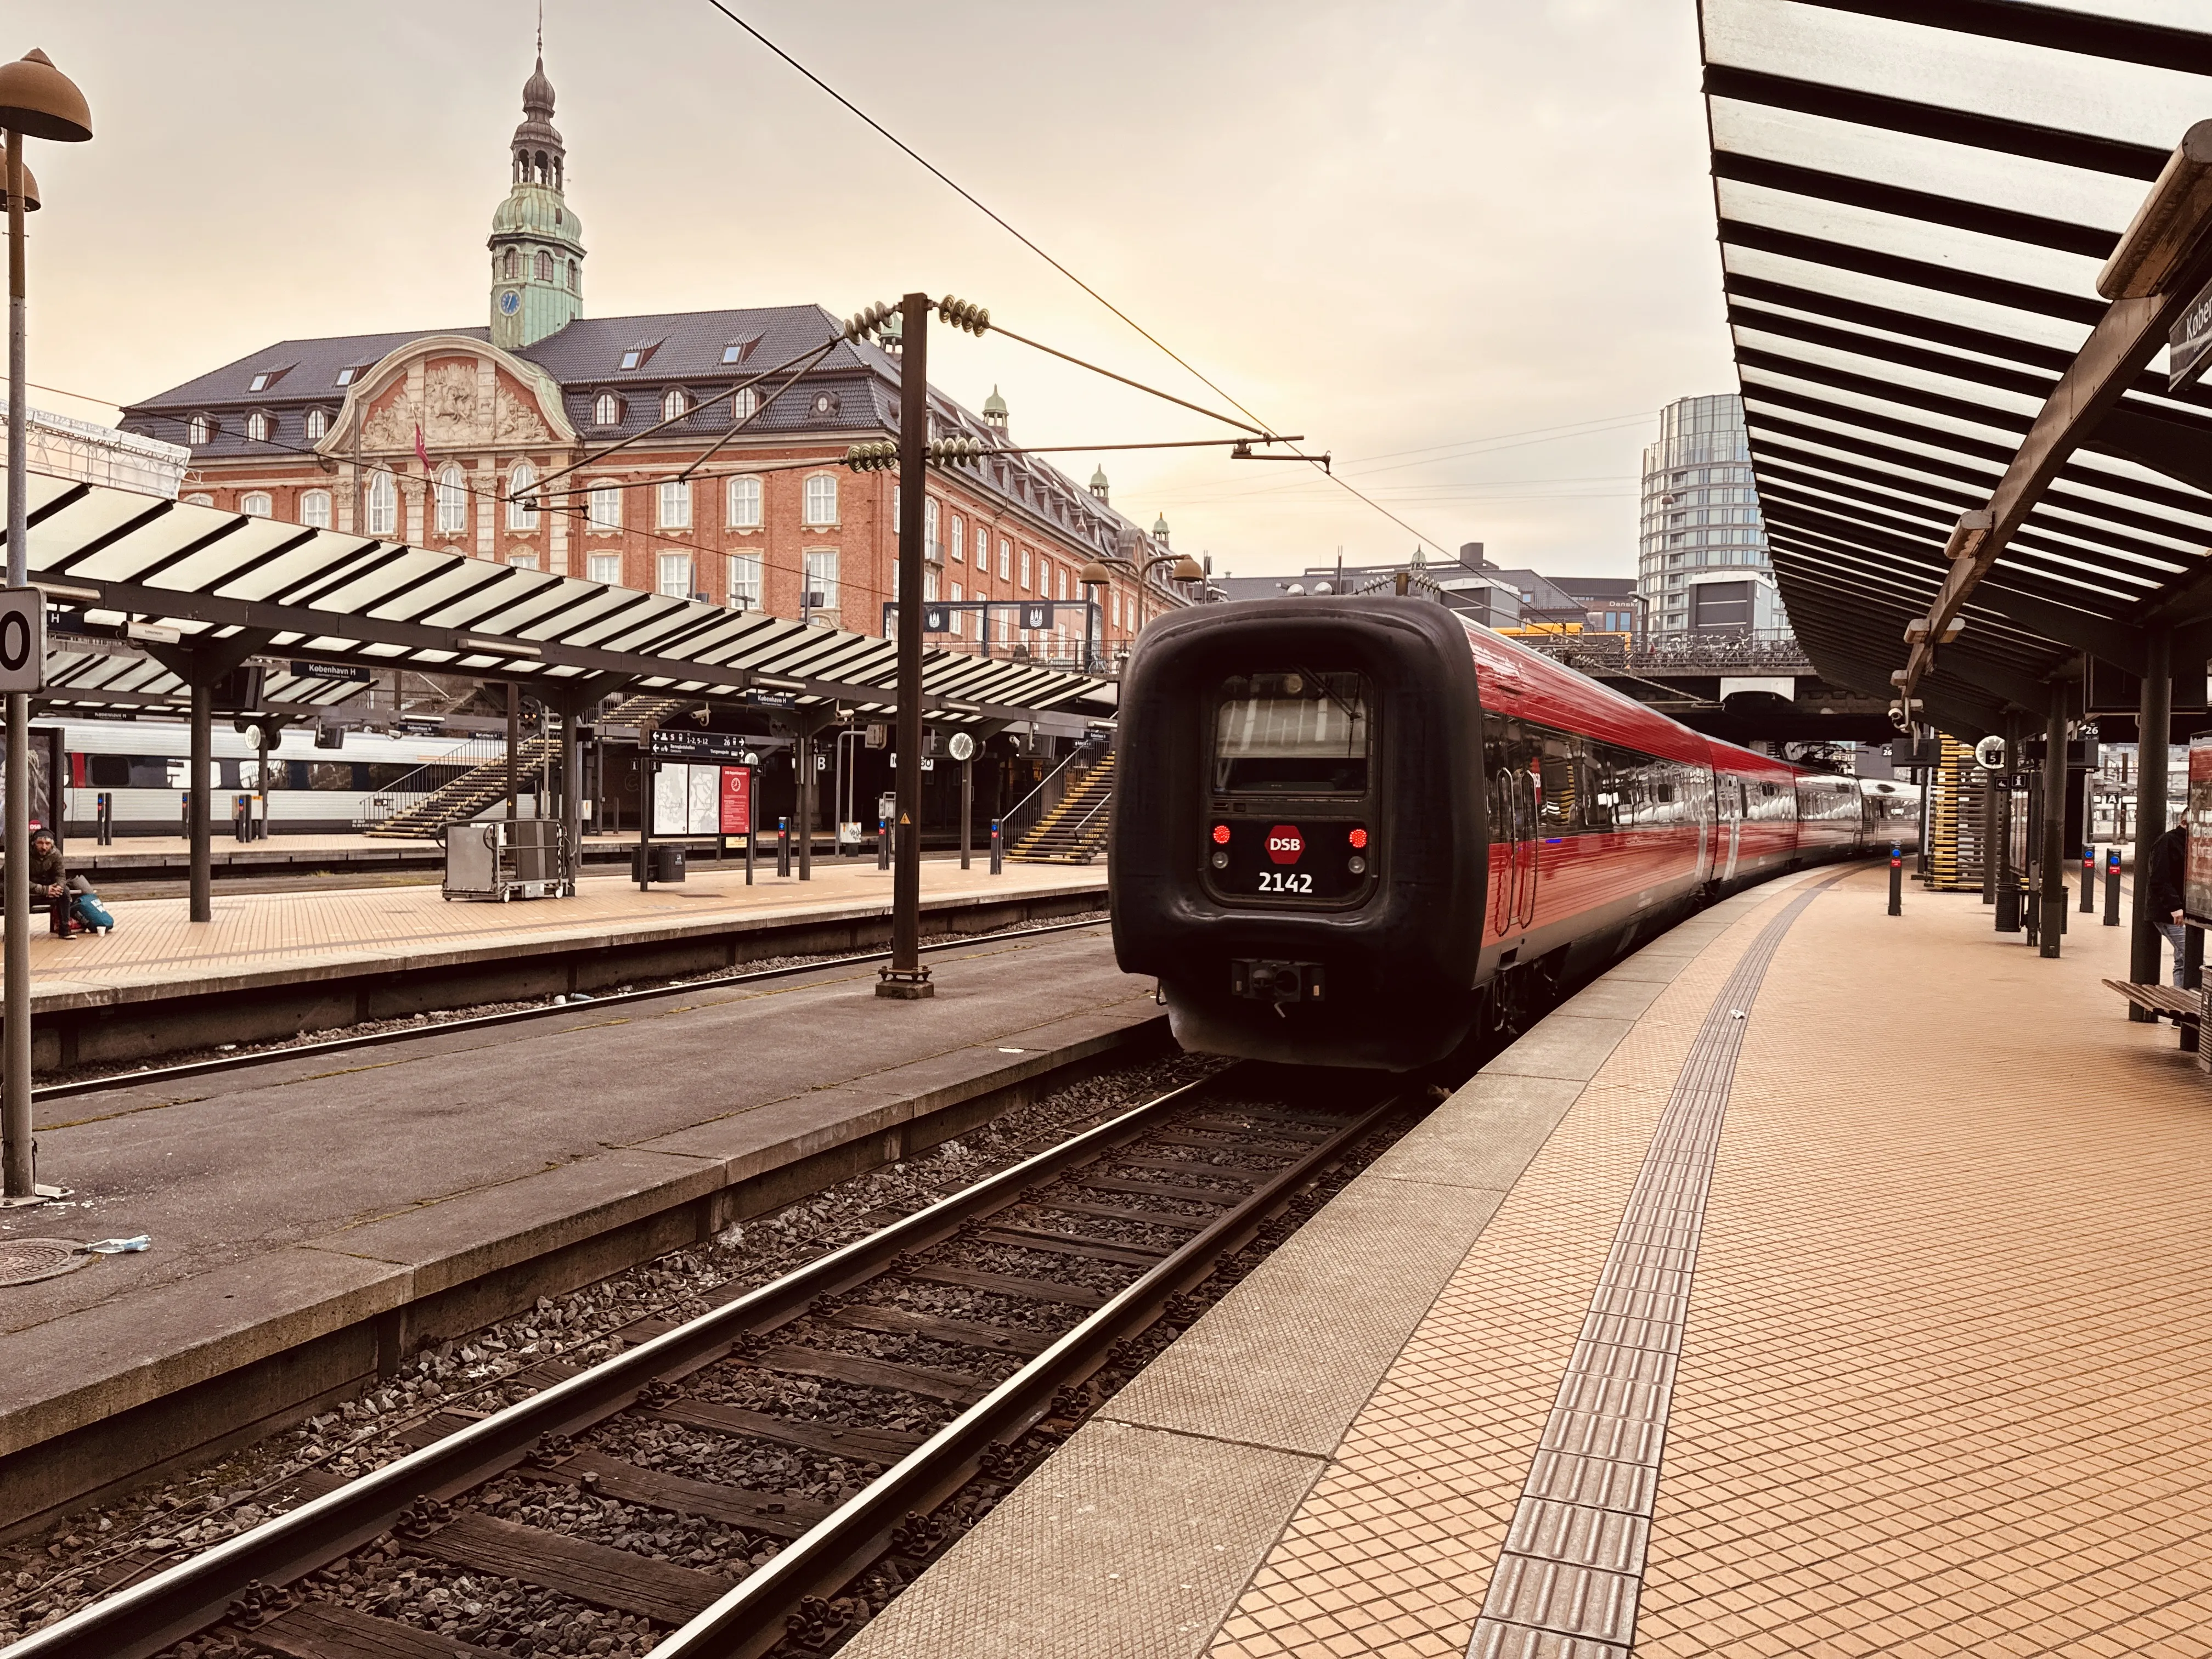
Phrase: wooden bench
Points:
(2182, 1007)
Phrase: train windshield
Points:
(1293, 732)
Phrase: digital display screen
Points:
(2196, 874)
(1272, 859)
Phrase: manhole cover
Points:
(26, 1260)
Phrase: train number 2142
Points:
(1275, 881)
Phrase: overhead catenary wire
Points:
(969, 197)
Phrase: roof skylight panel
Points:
(2078, 92)
(1972, 311)
(1911, 160)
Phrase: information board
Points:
(736, 801)
(697, 746)
(672, 801)
(2197, 878)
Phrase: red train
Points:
(1366, 831)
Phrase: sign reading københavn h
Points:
(2189, 342)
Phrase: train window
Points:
(1293, 732)
(1561, 801)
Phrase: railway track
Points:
(99, 1082)
(766, 1475)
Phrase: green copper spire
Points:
(536, 243)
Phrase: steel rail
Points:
(752, 1618)
(139, 1621)
(484, 1022)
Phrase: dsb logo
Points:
(1285, 843)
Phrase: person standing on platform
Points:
(2166, 864)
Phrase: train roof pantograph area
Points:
(1951, 422)
(223, 581)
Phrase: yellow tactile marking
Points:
(1946, 1386)
(1391, 1551)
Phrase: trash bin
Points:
(667, 862)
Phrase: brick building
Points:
(440, 438)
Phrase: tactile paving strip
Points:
(1567, 1582)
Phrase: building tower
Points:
(537, 244)
(1702, 564)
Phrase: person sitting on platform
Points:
(2166, 866)
(51, 882)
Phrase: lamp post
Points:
(1100, 572)
(37, 101)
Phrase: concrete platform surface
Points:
(262, 939)
(1876, 1320)
(301, 1197)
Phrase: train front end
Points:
(1299, 851)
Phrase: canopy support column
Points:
(2154, 724)
(2052, 888)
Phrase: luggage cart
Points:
(504, 859)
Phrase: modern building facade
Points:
(604, 447)
(1513, 601)
(1702, 561)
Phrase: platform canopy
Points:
(1947, 420)
(228, 585)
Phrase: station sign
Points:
(936, 619)
(1036, 615)
(760, 699)
(329, 670)
(2189, 342)
(22, 639)
(697, 745)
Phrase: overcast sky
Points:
(1427, 236)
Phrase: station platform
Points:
(272, 964)
(1814, 1282)
(315, 1218)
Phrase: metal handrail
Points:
(1012, 824)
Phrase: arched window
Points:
(744, 404)
(199, 500)
(383, 504)
(930, 550)
(521, 505)
(822, 499)
(959, 537)
(745, 503)
(318, 424)
(674, 403)
(255, 504)
(606, 410)
(575, 276)
(511, 266)
(199, 430)
(256, 427)
(544, 267)
(315, 508)
(452, 501)
(982, 550)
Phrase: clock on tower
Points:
(509, 303)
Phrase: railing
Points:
(411, 789)
(1026, 813)
(1771, 649)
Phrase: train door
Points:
(1732, 808)
(1509, 759)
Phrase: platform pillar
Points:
(2154, 724)
(1989, 836)
(2052, 882)
(203, 756)
(2007, 916)
(905, 977)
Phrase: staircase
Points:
(1074, 831)
(645, 711)
(466, 795)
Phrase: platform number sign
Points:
(1989, 754)
(22, 639)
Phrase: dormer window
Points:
(199, 430)
(347, 376)
(737, 350)
(606, 410)
(257, 427)
(825, 402)
(639, 354)
(318, 424)
(744, 404)
(674, 403)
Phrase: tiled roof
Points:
(586, 358)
